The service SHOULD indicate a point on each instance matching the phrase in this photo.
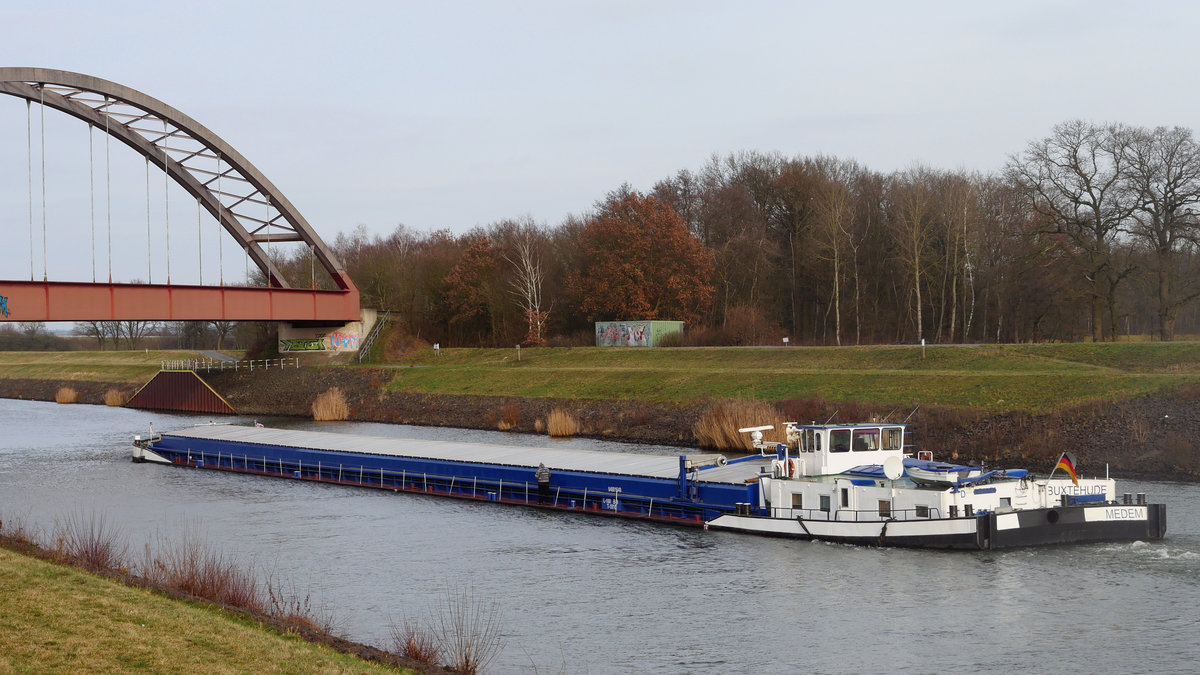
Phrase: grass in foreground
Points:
(58, 619)
(1032, 378)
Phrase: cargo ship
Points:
(848, 483)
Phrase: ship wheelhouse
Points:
(822, 449)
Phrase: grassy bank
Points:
(60, 619)
(1030, 378)
(996, 378)
(87, 366)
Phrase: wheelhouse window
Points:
(866, 439)
(810, 441)
(892, 438)
(885, 508)
(839, 440)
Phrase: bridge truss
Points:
(225, 184)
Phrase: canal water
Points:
(597, 595)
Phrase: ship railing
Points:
(488, 489)
(866, 515)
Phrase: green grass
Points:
(93, 366)
(56, 619)
(1145, 357)
(1032, 378)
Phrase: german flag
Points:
(1067, 463)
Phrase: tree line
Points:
(1090, 232)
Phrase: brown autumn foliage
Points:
(641, 261)
(752, 247)
(475, 294)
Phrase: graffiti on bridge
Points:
(302, 345)
(4, 305)
(343, 341)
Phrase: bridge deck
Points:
(78, 301)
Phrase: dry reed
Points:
(66, 395)
(330, 406)
(114, 398)
(561, 424)
(717, 428)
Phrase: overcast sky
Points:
(457, 114)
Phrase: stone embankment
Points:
(1148, 437)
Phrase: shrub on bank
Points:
(330, 406)
(462, 627)
(90, 542)
(114, 398)
(510, 417)
(66, 395)
(414, 640)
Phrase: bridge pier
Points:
(307, 337)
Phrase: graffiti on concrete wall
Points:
(3, 305)
(302, 345)
(617, 334)
(343, 341)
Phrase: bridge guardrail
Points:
(209, 365)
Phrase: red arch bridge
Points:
(248, 207)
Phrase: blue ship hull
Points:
(681, 499)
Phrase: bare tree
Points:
(223, 330)
(1163, 171)
(959, 218)
(32, 329)
(101, 331)
(834, 222)
(914, 197)
(527, 282)
(135, 331)
(91, 329)
(1074, 180)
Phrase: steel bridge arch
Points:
(192, 155)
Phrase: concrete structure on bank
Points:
(299, 336)
(635, 333)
